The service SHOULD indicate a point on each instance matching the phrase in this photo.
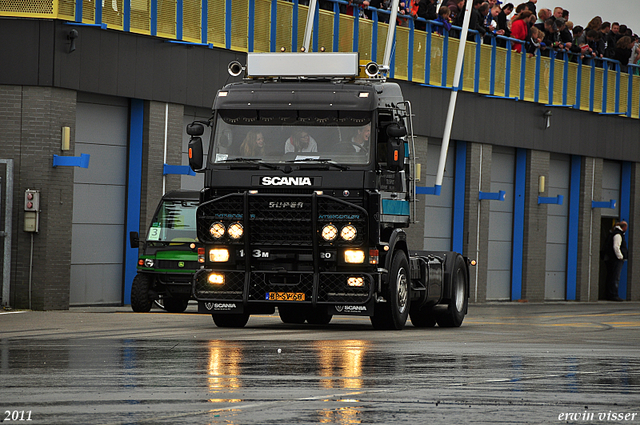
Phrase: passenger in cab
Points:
(300, 141)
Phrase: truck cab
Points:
(308, 192)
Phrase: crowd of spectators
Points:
(541, 30)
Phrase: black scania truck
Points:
(309, 189)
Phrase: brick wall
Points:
(535, 228)
(33, 117)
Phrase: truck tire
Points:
(318, 316)
(453, 316)
(140, 300)
(292, 314)
(393, 314)
(423, 318)
(230, 320)
(175, 305)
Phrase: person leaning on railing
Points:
(520, 28)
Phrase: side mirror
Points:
(396, 130)
(134, 240)
(395, 154)
(195, 154)
(195, 129)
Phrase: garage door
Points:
(501, 224)
(99, 192)
(439, 209)
(557, 228)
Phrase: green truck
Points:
(168, 256)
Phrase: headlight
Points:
(148, 262)
(354, 256)
(235, 231)
(217, 230)
(355, 281)
(219, 255)
(329, 232)
(216, 279)
(348, 232)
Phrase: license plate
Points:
(285, 296)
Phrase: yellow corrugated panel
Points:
(88, 12)
(514, 82)
(419, 47)
(402, 53)
(325, 30)
(192, 21)
(501, 69)
(624, 93)
(451, 61)
(28, 8)
(558, 82)
(262, 30)
(545, 78)
(215, 22)
(485, 69)
(597, 98)
(167, 18)
(67, 9)
(530, 80)
(611, 92)
(140, 16)
(635, 100)
(239, 25)
(283, 30)
(302, 22)
(469, 69)
(571, 89)
(112, 14)
(345, 43)
(435, 71)
(585, 87)
(365, 34)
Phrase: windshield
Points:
(281, 136)
(174, 222)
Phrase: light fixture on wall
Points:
(73, 34)
(65, 138)
(541, 180)
(547, 118)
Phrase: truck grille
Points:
(280, 220)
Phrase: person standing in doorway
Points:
(615, 253)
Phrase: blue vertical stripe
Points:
(336, 27)
(154, 17)
(625, 209)
(126, 21)
(98, 14)
(78, 10)
(204, 19)
(134, 185)
(179, 19)
(459, 186)
(574, 219)
(316, 28)
(274, 26)
(492, 78)
(605, 86)
(518, 224)
(294, 27)
(412, 31)
(227, 24)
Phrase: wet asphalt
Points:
(508, 364)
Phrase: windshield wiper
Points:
(256, 161)
(327, 161)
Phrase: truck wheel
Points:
(393, 314)
(230, 320)
(175, 305)
(140, 300)
(318, 316)
(292, 314)
(453, 316)
(423, 318)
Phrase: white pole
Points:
(307, 30)
(390, 34)
(454, 95)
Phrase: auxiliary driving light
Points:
(216, 279)
(354, 256)
(217, 230)
(329, 232)
(348, 232)
(219, 255)
(355, 281)
(235, 231)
